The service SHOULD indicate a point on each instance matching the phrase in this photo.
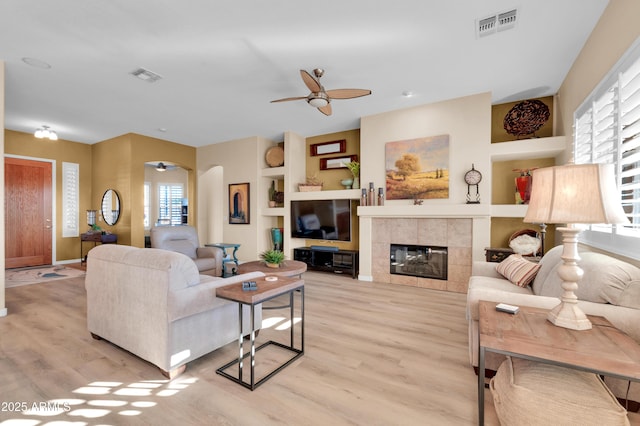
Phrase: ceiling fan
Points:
(321, 98)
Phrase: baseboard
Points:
(3, 312)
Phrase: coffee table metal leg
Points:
(292, 317)
(253, 347)
(301, 320)
(240, 343)
(481, 373)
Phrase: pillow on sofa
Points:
(518, 270)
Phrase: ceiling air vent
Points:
(497, 22)
(507, 20)
(146, 75)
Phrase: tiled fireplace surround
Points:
(465, 236)
(455, 234)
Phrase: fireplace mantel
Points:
(469, 211)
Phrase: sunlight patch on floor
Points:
(100, 407)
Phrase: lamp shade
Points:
(575, 193)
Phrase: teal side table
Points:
(226, 258)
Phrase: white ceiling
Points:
(222, 62)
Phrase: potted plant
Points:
(354, 168)
(272, 258)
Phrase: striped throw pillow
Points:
(519, 271)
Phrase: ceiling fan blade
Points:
(297, 98)
(310, 81)
(326, 110)
(347, 93)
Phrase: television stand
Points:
(336, 261)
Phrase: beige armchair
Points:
(184, 239)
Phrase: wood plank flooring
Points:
(375, 354)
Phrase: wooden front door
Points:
(27, 209)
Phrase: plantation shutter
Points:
(629, 162)
(170, 203)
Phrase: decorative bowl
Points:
(346, 183)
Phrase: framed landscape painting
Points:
(239, 203)
(417, 168)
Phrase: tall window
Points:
(170, 203)
(607, 130)
(70, 199)
(147, 204)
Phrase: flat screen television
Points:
(321, 219)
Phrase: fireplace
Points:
(418, 261)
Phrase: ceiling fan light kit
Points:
(321, 98)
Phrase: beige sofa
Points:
(154, 304)
(184, 239)
(609, 288)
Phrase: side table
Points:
(225, 257)
(266, 290)
(95, 238)
(529, 335)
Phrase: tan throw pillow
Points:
(518, 270)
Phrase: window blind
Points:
(170, 203)
(607, 130)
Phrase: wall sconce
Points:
(91, 217)
(46, 133)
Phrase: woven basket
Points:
(531, 233)
(309, 188)
(530, 393)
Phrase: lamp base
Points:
(569, 315)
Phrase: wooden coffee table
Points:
(289, 268)
(266, 290)
(529, 335)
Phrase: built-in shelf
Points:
(343, 194)
(509, 210)
(528, 148)
(273, 172)
(272, 211)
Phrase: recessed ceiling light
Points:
(36, 63)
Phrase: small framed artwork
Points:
(336, 162)
(335, 147)
(239, 203)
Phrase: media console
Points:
(328, 260)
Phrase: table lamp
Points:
(573, 194)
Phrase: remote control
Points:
(510, 309)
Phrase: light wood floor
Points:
(375, 354)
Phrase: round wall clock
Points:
(473, 178)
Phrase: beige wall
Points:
(331, 178)
(240, 162)
(615, 32)
(118, 164)
(466, 120)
